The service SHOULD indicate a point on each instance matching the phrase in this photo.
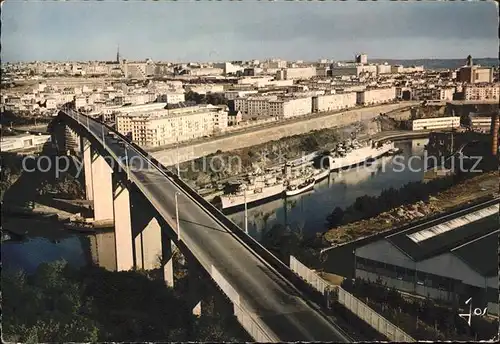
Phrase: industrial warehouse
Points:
(451, 261)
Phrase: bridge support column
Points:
(194, 287)
(123, 226)
(102, 189)
(168, 261)
(148, 246)
(87, 167)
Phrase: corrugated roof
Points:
(453, 224)
(440, 241)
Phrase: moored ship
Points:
(253, 195)
(357, 154)
(307, 185)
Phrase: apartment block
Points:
(436, 123)
(255, 81)
(475, 74)
(171, 98)
(376, 96)
(162, 127)
(296, 73)
(481, 92)
(333, 102)
(287, 108)
(433, 93)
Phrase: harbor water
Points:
(307, 212)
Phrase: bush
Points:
(62, 304)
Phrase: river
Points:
(306, 212)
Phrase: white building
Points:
(481, 92)
(436, 123)
(376, 96)
(110, 112)
(256, 81)
(162, 127)
(290, 108)
(171, 98)
(333, 102)
(296, 73)
(80, 102)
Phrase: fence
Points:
(310, 276)
(372, 318)
(245, 317)
(375, 320)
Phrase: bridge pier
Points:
(102, 189)
(148, 246)
(167, 261)
(194, 286)
(87, 167)
(152, 246)
(123, 226)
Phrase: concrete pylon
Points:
(168, 262)
(87, 167)
(195, 295)
(148, 246)
(123, 226)
(102, 189)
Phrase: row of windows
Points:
(405, 274)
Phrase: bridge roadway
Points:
(262, 290)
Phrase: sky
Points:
(221, 31)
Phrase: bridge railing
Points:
(247, 319)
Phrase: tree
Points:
(62, 304)
(45, 307)
(335, 218)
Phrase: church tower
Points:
(118, 55)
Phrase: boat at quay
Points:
(293, 190)
(295, 179)
(352, 153)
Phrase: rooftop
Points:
(421, 244)
(481, 254)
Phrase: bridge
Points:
(269, 300)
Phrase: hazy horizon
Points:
(263, 59)
(227, 31)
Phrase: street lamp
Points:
(177, 153)
(246, 210)
(102, 132)
(126, 160)
(177, 193)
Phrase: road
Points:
(262, 290)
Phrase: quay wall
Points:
(257, 136)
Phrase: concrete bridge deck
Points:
(251, 283)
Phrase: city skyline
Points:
(225, 31)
